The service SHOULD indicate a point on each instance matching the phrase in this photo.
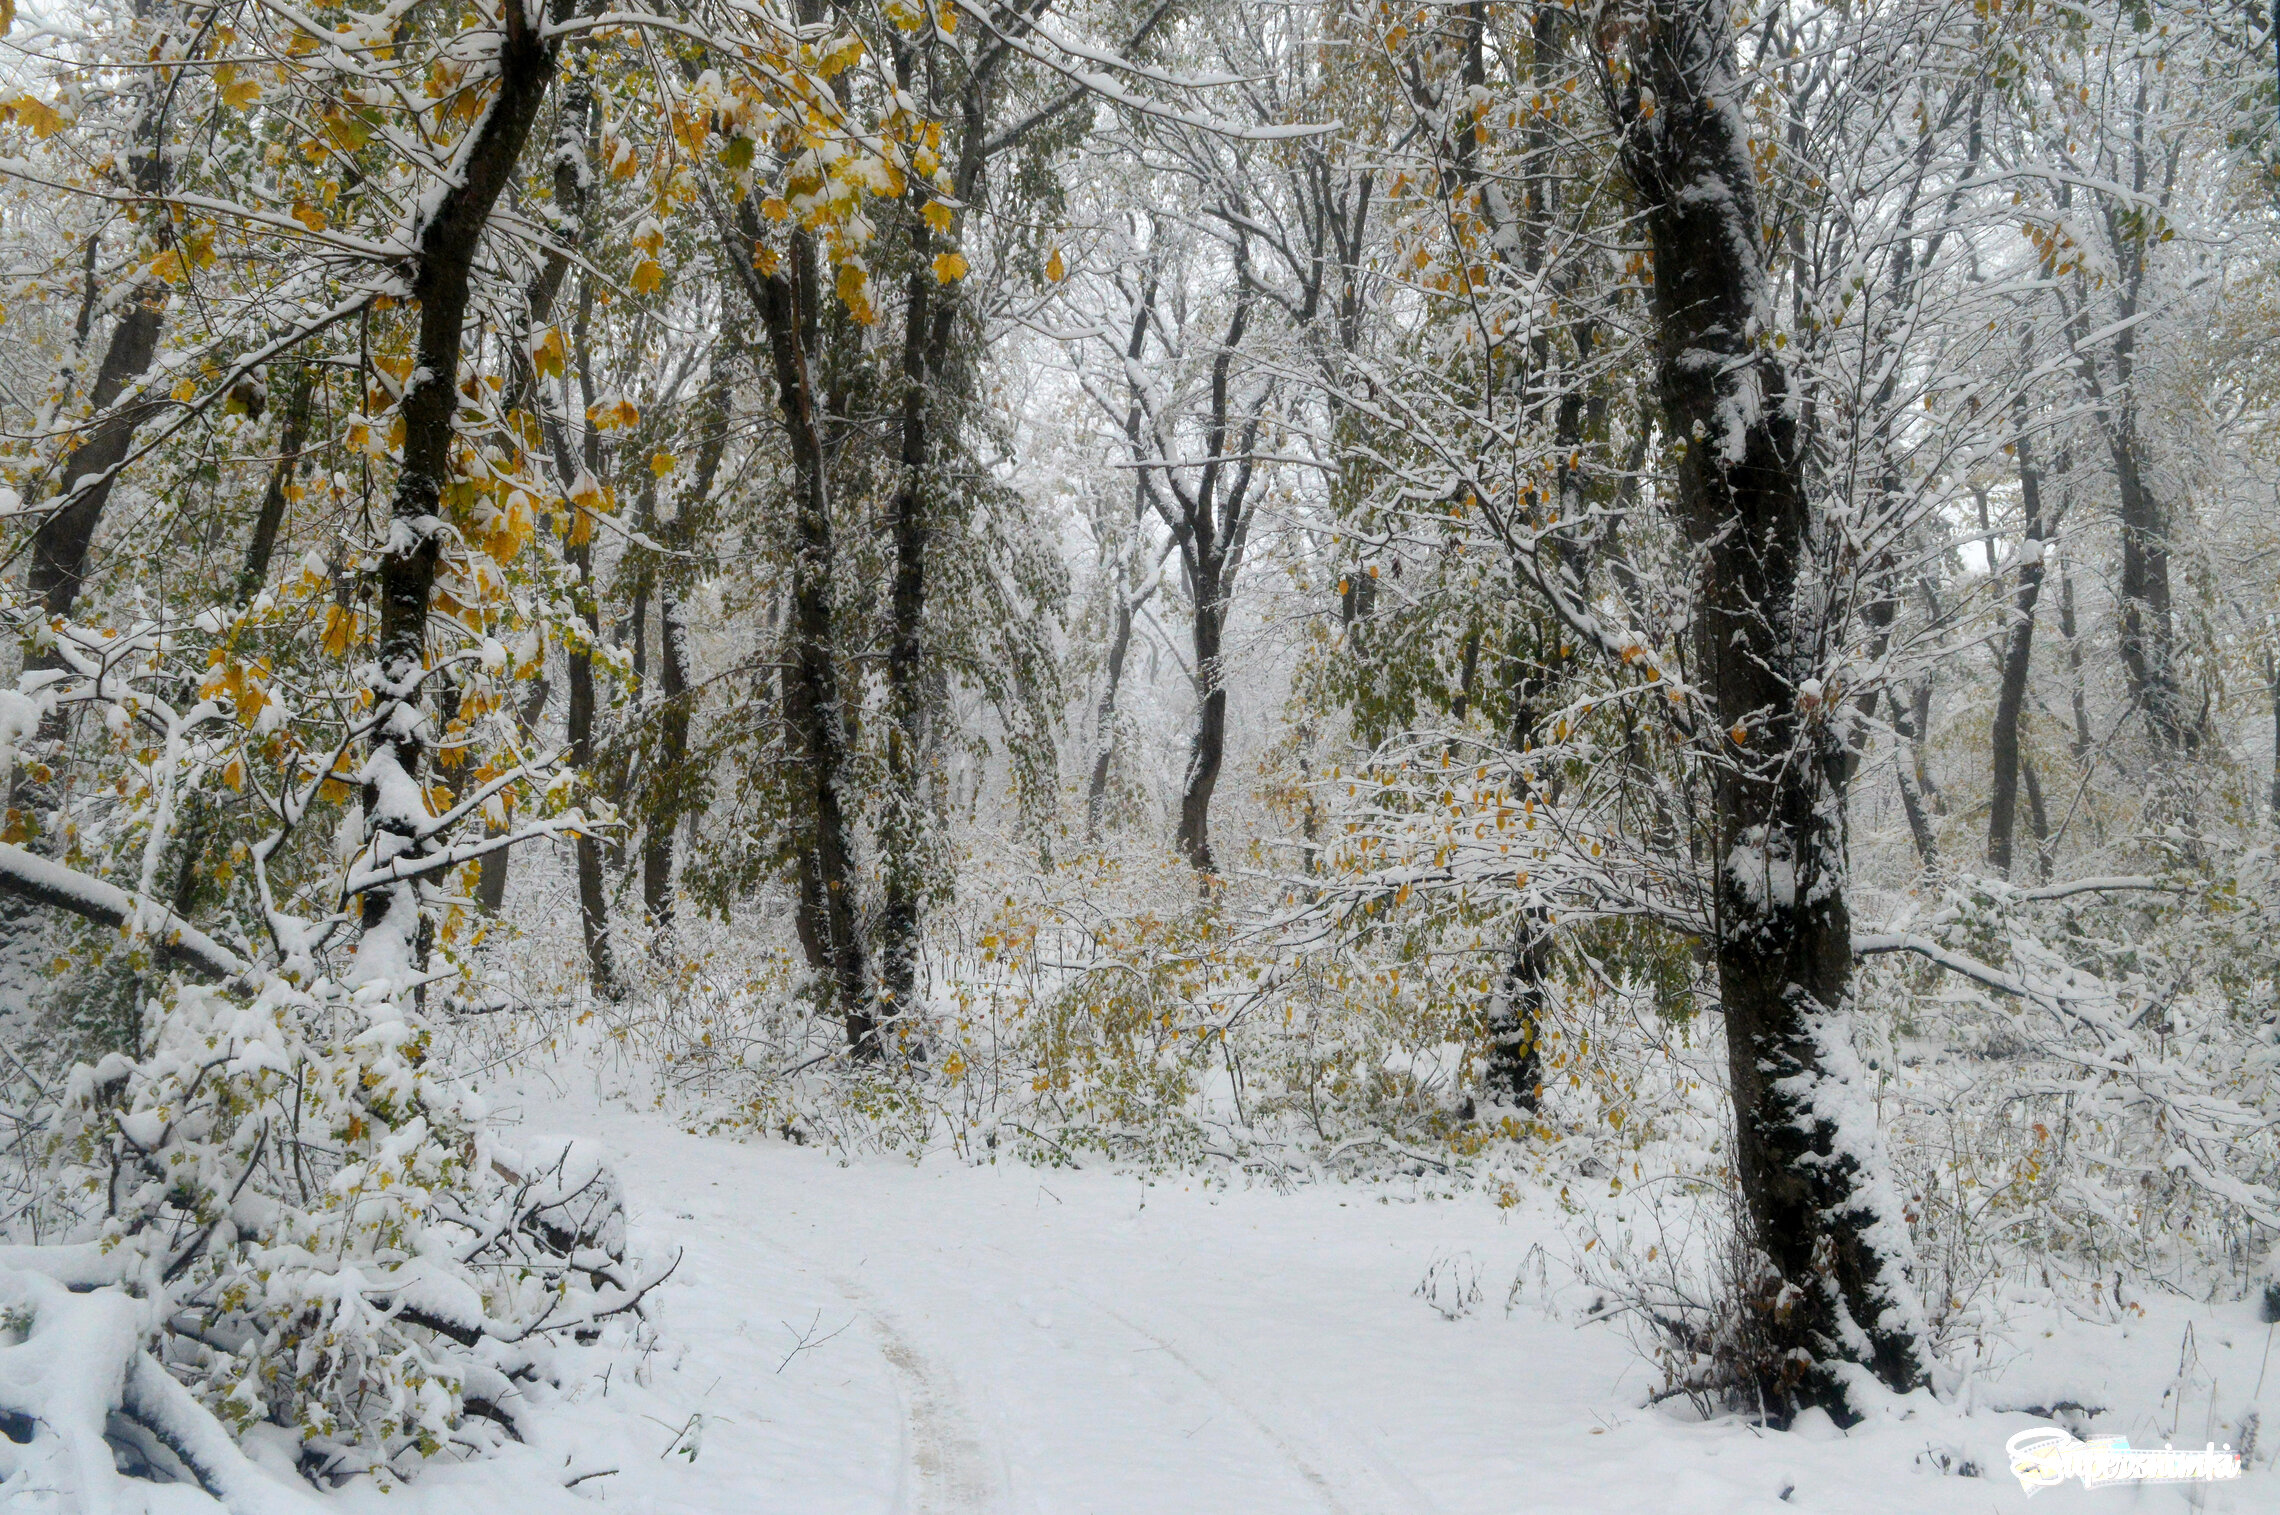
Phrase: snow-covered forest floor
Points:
(875, 1335)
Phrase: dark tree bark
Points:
(491, 871)
(788, 304)
(2066, 625)
(578, 717)
(2017, 660)
(60, 544)
(1819, 1211)
(405, 577)
(1210, 525)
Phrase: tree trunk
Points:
(1807, 1152)
(928, 317)
(671, 784)
(2017, 662)
(586, 849)
(491, 874)
(1209, 748)
(787, 303)
(395, 934)
(292, 432)
(1104, 715)
(60, 544)
(2148, 633)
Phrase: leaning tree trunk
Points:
(1834, 1254)
(61, 543)
(395, 927)
(1104, 713)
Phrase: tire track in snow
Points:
(1337, 1493)
(947, 1471)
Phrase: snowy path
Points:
(1006, 1341)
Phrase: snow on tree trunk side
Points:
(1807, 1151)
(395, 803)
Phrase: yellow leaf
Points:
(340, 625)
(237, 93)
(949, 267)
(948, 13)
(547, 354)
(308, 215)
(169, 266)
(661, 463)
(648, 276)
(939, 216)
(44, 119)
(1055, 269)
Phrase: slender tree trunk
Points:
(787, 303)
(586, 849)
(293, 422)
(570, 156)
(1807, 1151)
(2148, 632)
(2082, 742)
(395, 935)
(292, 433)
(2272, 678)
(2017, 661)
(491, 872)
(671, 783)
(1104, 715)
(61, 542)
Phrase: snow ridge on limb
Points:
(29, 876)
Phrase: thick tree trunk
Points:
(395, 928)
(1807, 1151)
(2016, 662)
(1208, 750)
(928, 316)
